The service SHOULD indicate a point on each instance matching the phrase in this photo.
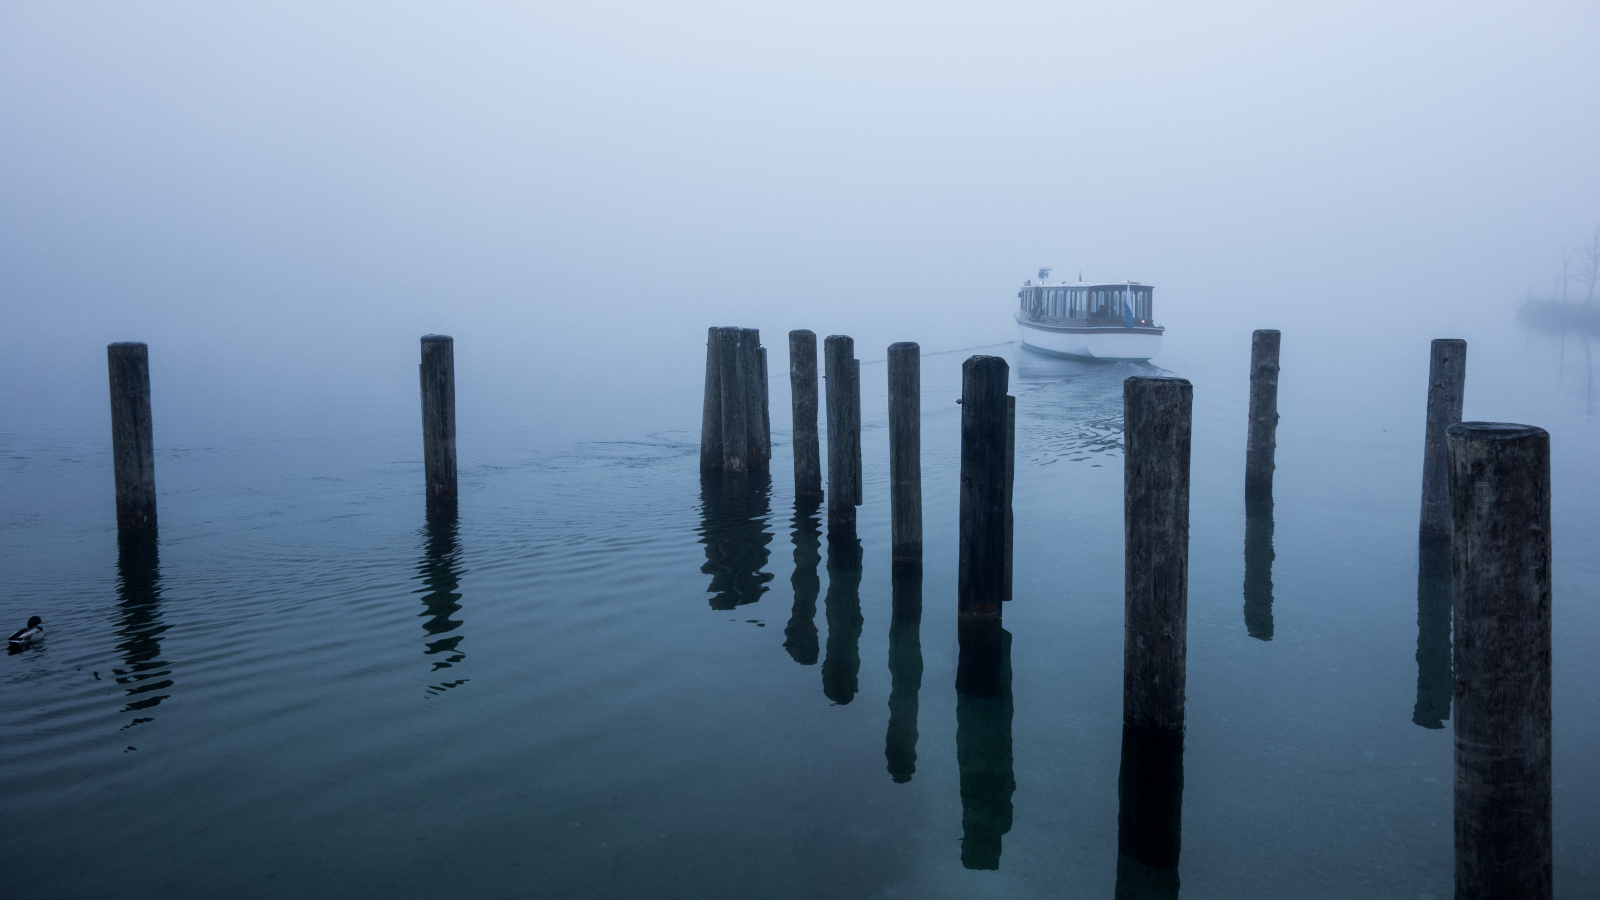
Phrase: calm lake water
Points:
(612, 678)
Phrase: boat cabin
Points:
(1081, 302)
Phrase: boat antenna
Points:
(1044, 273)
(1080, 276)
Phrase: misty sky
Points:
(284, 196)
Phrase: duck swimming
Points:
(29, 633)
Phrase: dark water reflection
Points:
(983, 741)
(1258, 558)
(440, 573)
(734, 509)
(1435, 679)
(144, 674)
(1149, 815)
(841, 668)
(905, 672)
(800, 635)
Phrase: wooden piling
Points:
(1500, 561)
(1262, 444)
(711, 408)
(854, 396)
(1447, 376)
(735, 429)
(803, 402)
(766, 409)
(1011, 477)
(905, 451)
(1156, 435)
(132, 443)
(753, 374)
(844, 429)
(438, 370)
(981, 579)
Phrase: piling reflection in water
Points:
(1435, 679)
(1149, 815)
(144, 674)
(440, 573)
(841, 668)
(734, 509)
(1258, 556)
(905, 672)
(983, 741)
(800, 635)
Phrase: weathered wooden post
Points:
(844, 429)
(735, 429)
(1011, 477)
(133, 459)
(1500, 548)
(803, 402)
(854, 396)
(711, 407)
(735, 421)
(905, 451)
(1155, 431)
(753, 373)
(1447, 376)
(438, 370)
(981, 580)
(1262, 444)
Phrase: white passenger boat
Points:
(1089, 319)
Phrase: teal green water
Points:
(609, 678)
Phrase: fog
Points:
(280, 198)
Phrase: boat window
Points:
(1101, 304)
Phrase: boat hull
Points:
(1092, 342)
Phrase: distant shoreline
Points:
(1561, 318)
